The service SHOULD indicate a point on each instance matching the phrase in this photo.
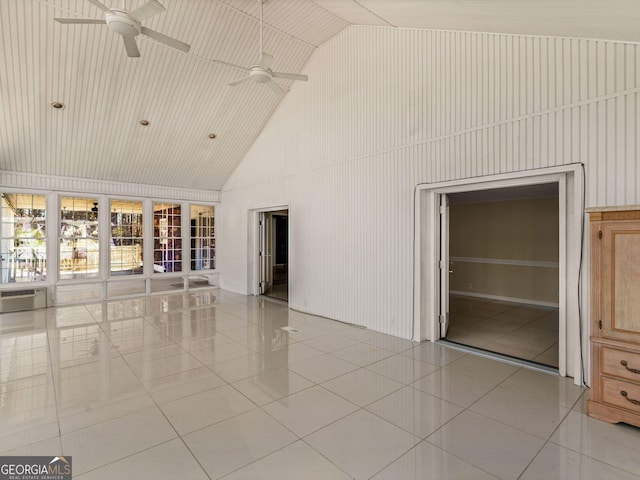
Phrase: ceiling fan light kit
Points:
(120, 22)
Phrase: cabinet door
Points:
(621, 280)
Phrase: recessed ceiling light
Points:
(144, 122)
(57, 104)
(212, 136)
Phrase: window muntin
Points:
(167, 237)
(203, 240)
(23, 238)
(126, 238)
(79, 245)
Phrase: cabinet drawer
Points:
(622, 394)
(621, 364)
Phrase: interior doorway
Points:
(573, 290)
(273, 231)
(501, 285)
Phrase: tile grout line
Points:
(359, 408)
(178, 435)
(548, 440)
(53, 382)
(157, 406)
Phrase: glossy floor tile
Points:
(361, 444)
(107, 442)
(527, 332)
(236, 442)
(310, 410)
(205, 408)
(211, 384)
(428, 462)
(414, 411)
(561, 463)
(296, 461)
(167, 461)
(492, 446)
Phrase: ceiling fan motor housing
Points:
(121, 22)
(260, 74)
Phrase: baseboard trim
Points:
(502, 298)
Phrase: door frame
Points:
(573, 302)
(444, 264)
(253, 263)
(264, 244)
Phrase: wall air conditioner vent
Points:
(18, 293)
(19, 300)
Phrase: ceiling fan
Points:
(129, 24)
(261, 72)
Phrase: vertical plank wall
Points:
(386, 109)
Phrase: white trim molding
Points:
(502, 298)
(506, 261)
(30, 181)
(573, 332)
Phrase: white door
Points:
(445, 270)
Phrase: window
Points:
(167, 237)
(126, 238)
(79, 246)
(203, 240)
(23, 238)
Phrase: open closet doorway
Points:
(273, 231)
(500, 284)
(573, 291)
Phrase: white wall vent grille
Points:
(19, 300)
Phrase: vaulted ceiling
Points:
(185, 97)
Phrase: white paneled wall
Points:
(386, 109)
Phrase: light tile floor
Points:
(528, 332)
(208, 385)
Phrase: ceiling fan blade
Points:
(100, 5)
(266, 60)
(290, 76)
(275, 87)
(238, 82)
(162, 38)
(131, 46)
(149, 9)
(79, 20)
(244, 69)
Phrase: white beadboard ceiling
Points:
(185, 96)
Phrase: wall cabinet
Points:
(615, 316)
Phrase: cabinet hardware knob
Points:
(626, 397)
(632, 370)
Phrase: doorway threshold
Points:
(274, 300)
(500, 357)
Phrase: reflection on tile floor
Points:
(208, 385)
(528, 332)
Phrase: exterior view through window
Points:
(79, 246)
(203, 240)
(23, 238)
(167, 237)
(126, 238)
